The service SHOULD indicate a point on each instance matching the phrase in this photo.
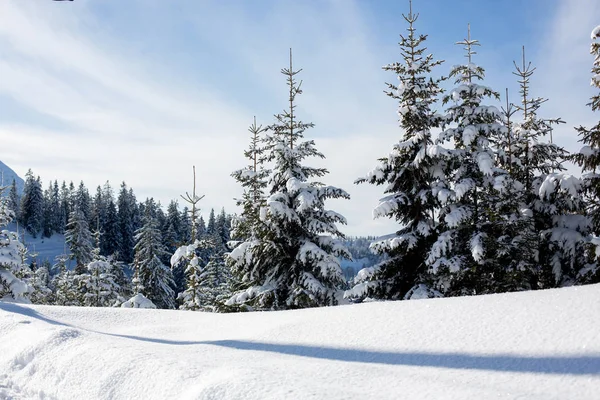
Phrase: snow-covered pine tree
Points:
(411, 175)
(98, 285)
(11, 263)
(151, 277)
(588, 158)
(79, 239)
(38, 278)
(253, 181)
(64, 286)
(127, 210)
(296, 263)
(206, 275)
(247, 228)
(463, 256)
(14, 200)
(32, 205)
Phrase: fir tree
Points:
(151, 277)
(14, 200)
(11, 263)
(64, 284)
(463, 256)
(588, 157)
(127, 211)
(79, 239)
(294, 263)
(211, 227)
(411, 175)
(32, 205)
(206, 277)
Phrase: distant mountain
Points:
(7, 175)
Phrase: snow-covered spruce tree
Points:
(295, 263)
(206, 275)
(11, 263)
(64, 286)
(38, 279)
(246, 227)
(32, 205)
(151, 277)
(98, 285)
(79, 239)
(588, 159)
(463, 256)
(554, 247)
(411, 174)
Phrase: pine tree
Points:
(79, 239)
(14, 200)
(206, 280)
(39, 281)
(411, 175)
(211, 227)
(588, 158)
(294, 264)
(32, 205)
(111, 239)
(55, 210)
(65, 206)
(66, 291)
(151, 277)
(463, 256)
(127, 211)
(48, 213)
(11, 263)
(83, 202)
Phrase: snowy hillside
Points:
(7, 175)
(534, 345)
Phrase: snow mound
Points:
(534, 345)
(138, 301)
(596, 33)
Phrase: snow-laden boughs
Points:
(11, 262)
(100, 288)
(412, 173)
(207, 276)
(588, 157)
(151, 277)
(79, 239)
(462, 258)
(291, 261)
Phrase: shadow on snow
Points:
(568, 365)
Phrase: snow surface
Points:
(533, 345)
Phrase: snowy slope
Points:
(7, 175)
(535, 345)
(45, 249)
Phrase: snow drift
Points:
(534, 345)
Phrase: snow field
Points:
(534, 345)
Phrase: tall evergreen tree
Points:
(588, 157)
(127, 211)
(462, 257)
(32, 205)
(211, 227)
(14, 200)
(151, 277)
(411, 175)
(11, 263)
(294, 263)
(111, 238)
(79, 239)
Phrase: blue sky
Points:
(141, 90)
